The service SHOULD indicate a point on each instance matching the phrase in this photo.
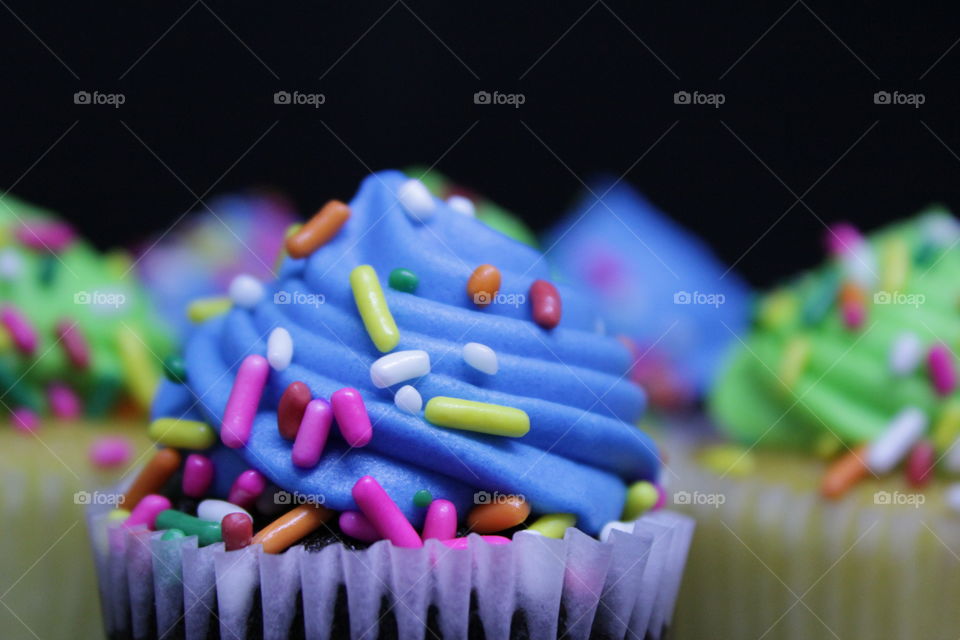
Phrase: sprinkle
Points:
(399, 366)
(462, 204)
(853, 305)
(154, 475)
(796, 354)
(482, 417)
(946, 428)
(481, 357)
(246, 291)
(952, 496)
(920, 462)
(25, 419)
(842, 238)
(728, 459)
(820, 297)
(779, 309)
(463, 543)
(23, 334)
(48, 269)
(422, 498)
(11, 265)
(207, 532)
(172, 534)
(483, 285)
(174, 369)
(74, 344)
(293, 403)
(894, 265)
(897, 439)
(237, 531)
(641, 497)
(45, 235)
(291, 527)
(373, 308)
(63, 401)
(247, 488)
(545, 301)
(615, 525)
(661, 497)
(943, 373)
(203, 309)
(147, 510)
(244, 400)
(356, 525)
(197, 475)
(216, 510)
(117, 515)
(940, 228)
(844, 473)
(416, 200)
(352, 417)
(403, 280)
(279, 349)
(384, 514)
(553, 525)
(140, 375)
(441, 521)
(319, 230)
(905, 353)
(408, 399)
(110, 452)
(182, 434)
(499, 515)
(312, 434)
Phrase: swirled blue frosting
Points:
(582, 448)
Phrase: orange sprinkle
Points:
(497, 516)
(852, 294)
(845, 472)
(161, 467)
(318, 230)
(483, 285)
(291, 527)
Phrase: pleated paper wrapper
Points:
(624, 587)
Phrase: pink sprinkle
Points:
(21, 331)
(244, 400)
(384, 514)
(49, 236)
(312, 434)
(25, 419)
(842, 238)
(463, 543)
(441, 520)
(356, 525)
(942, 371)
(920, 463)
(197, 475)
(63, 401)
(854, 313)
(108, 452)
(352, 417)
(661, 498)
(147, 510)
(74, 344)
(247, 488)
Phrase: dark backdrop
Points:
(798, 140)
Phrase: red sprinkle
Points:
(920, 463)
(546, 304)
(237, 531)
(74, 344)
(293, 403)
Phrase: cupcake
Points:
(411, 432)
(829, 506)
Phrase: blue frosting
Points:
(582, 447)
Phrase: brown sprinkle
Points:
(319, 230)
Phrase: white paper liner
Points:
(625, 587)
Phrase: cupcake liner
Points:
(577, 586)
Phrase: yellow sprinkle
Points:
(946, 429)
(182, 434)
(118, 515)
(373, 308)
(203, 309)
(282, 254)
(827, 446)
(894, 265)
(641, 496)
(118, 264)
(728, 459)
(794, 361)
(553, 525)
(778, 310)
(483, 417)
(141, 372)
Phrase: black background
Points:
(799, 118)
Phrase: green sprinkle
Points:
(48, 269)
(173, 534)
(422, 498)
(403, 280)
(174, 369)
(728, 459)
(641, 496)
(206, 532)
(553, 525)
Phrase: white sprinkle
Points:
(615, 525)
(905, 354)
(246, 291)
(279, 349)
(408, 399)
(399, 366)
(416, 199)
(215, 510)
(463, 205)
(952, 496)
(481, 357)
(895, 442)
(11, 264)
(940, 229)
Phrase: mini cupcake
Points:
(411, 431)
(834, 515)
